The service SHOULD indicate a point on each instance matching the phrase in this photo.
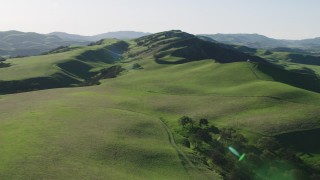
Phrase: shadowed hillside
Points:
(56, 70)
(170, 47)
(186, 48)
(176, 47)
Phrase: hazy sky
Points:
(286, 19)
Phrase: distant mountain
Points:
(121, 35)
(310, 42)
(72, 37)
(117, 35)
(16, 43)
(262, 42)
(250, 40)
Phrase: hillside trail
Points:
(193, 171)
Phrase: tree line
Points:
(265, 159)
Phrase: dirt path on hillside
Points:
(199, 173)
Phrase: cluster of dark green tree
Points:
(100, 42)
(106, 73)
(136, 66)
(266, 159)
(2, 63)
(59, 49)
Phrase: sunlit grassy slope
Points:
(291, 61)
(113, 131)
(58, 70)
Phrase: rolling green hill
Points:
(294, 58)
(305, 46)
(55, 70)
(115, 130)
(15, 43)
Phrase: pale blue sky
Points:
(286, 19)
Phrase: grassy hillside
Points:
(292, 57)
(15, 43)
(64, 69)
(114, 131)
(60, 137)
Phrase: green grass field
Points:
(113, 131)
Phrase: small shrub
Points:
(315, 177)
(136, 66)
(185, 120)
(186, 143)
(2, 59)
(203, 122)
(269, 143)
(217, 157)
(204, 135)
(213, 129)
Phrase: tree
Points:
(186, 143)
(239, 140)
(2, 59)
(254, 159)
(204, 135)
(269, 143)
(298, 174)
(203, 122)
(267, 155)
(194, 139)
(136, 66)
(226, 134)
(290, 156)
(2, 63)
(315, 177)
(239, 173)
(185, 120)
(217, 157)
(214, 129)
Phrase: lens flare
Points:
(236, 153)
(242, 157)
